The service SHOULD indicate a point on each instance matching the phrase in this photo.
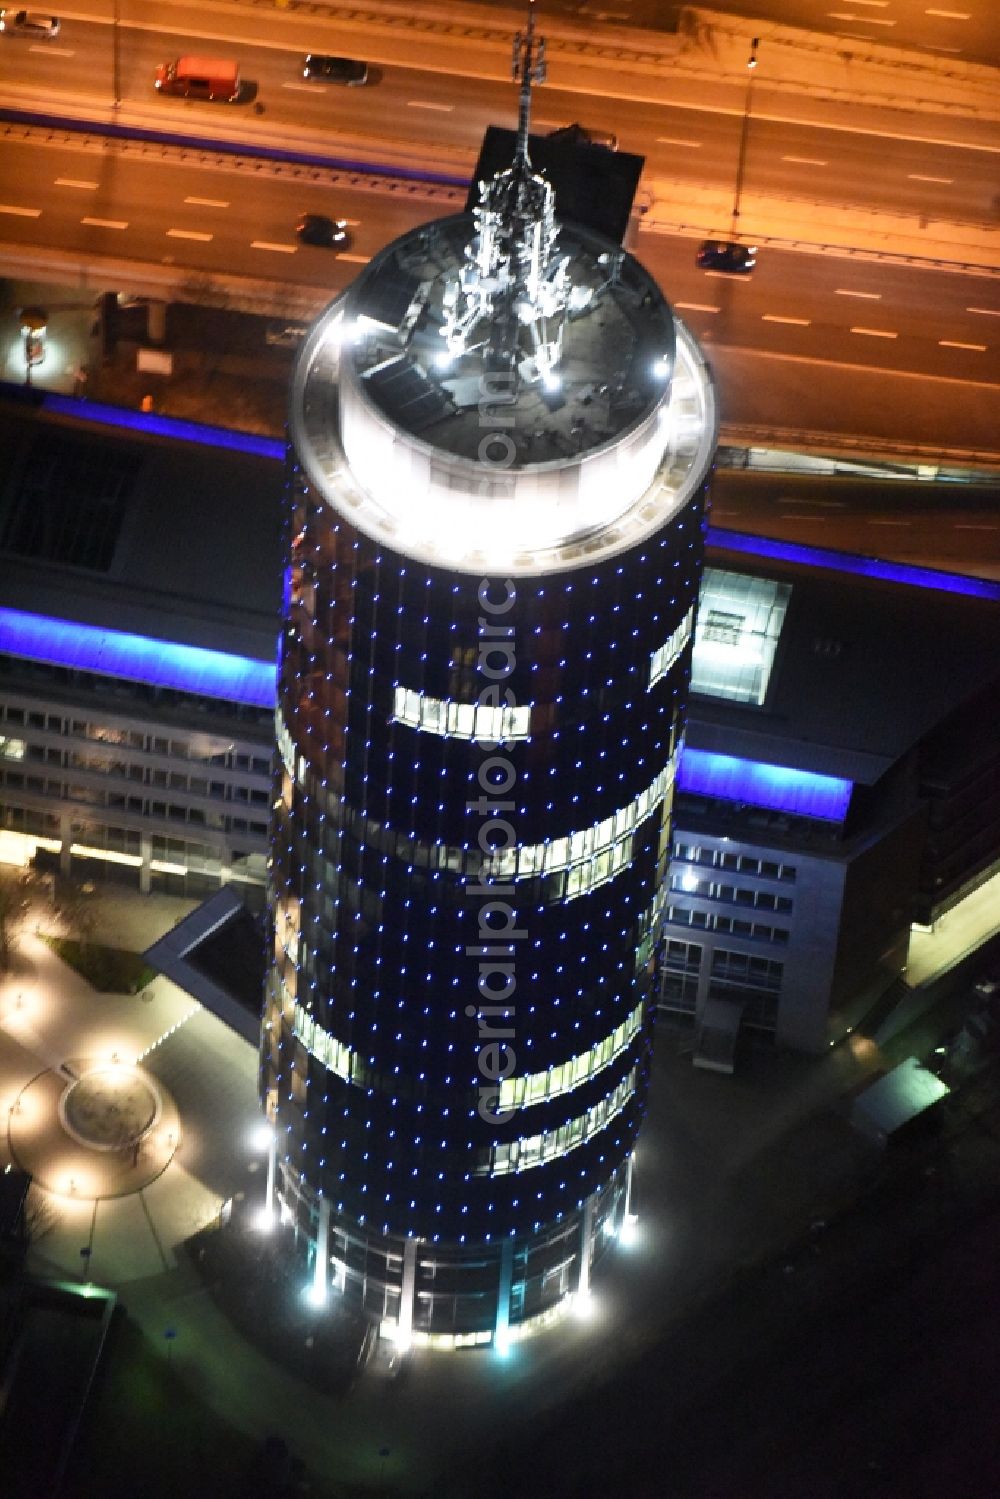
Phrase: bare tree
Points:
(75, 907)
(17, 886)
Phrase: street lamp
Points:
(744, 132)
(34, 324)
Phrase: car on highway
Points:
(726, 255)
(200, 78)
(319, 229)
(326, 69)
(28, 23)
(287, 336)
(584, 135)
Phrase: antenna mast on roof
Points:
(527, 67)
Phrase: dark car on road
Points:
(28, 23)
(726, 255)
(584, 135)
(344, 70)
(318, 229)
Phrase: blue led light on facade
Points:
(777, 787)
(852, 562)
(138, 658)
(165, 426)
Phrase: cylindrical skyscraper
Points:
(500, 444)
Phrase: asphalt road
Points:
(968, 30)
(813, 343)
(441, 112)
(821, 344)
(956, 528)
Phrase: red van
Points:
(200, 78)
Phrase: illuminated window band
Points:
(851, 562)
(286, 748)
(515, 1092)
(333, 1054)
(137, 658)
(521, 1092)
(589, 858)
(649, 929)
(775, 786)
(665, 655)
(602, 841)
(436, 715)
(536, 1150)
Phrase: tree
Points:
(16, 889)
(75, 907)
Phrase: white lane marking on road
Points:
(676, 140)
(951, 343)
(875, 21)
(774, 317)
(445, 109)
(74, 182)
(188, 234)
(973, 526)
(305, 88)
(985, 311)
(923, 177)
(868, 296)
(949, 15)
(790, 516)
(696, 307)
(52, 51)
(874, 332)
(756, 351)
(266, 244)
(21, 213)
(805, 161)
(878, 4)
(106, 223)
(352, 223)
(798, 499)
(208, 202)
(355, 259)
(873, 522)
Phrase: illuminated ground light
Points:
(583, 1305)
(315, 1295)
(264, 1219)
(262, 1137)
(628, 1234)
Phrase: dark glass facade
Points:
(434, 1078)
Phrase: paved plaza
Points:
(728, 1171)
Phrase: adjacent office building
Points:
(841, 779)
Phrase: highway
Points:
(86, 193)
(836, 346)
(441, 115)
(953, 527)
(810, 343)
(954, 28)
